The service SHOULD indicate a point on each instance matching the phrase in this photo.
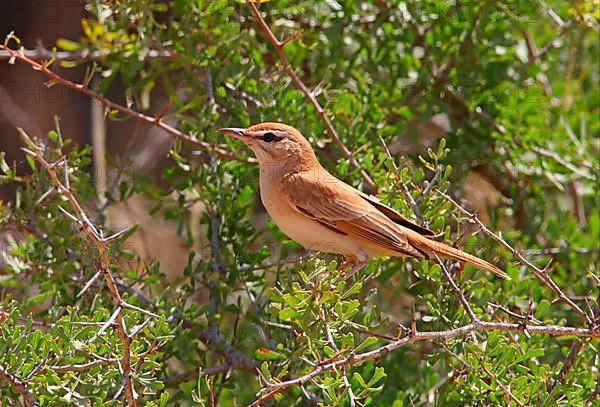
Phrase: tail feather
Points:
(449, 252)
(455, 254)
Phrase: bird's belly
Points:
(309, 233)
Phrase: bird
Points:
(323, 213)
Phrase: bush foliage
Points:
(517, 83)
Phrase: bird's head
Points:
(276, 144)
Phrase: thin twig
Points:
(562, 250)
(457, 290)
(308, 94)
(507, 393)
(403, 187)
(430, 184)
(567, 365)
(83, 366)
(354, 359)
(514, 314)
(43, 54)
(20, 386)
(333, 345)
(40, 366)
(95, 237)
(541, 274)
(109, 322)
(89, 283)
(150, 120)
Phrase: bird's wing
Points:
(395, 216)
(339, 206)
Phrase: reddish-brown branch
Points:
(308, 94)
(20, 386)
(99, 242)
(108, 104)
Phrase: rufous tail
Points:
(449, 252)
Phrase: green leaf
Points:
(267, 354)
(164, 399)
(356, 376)
(370, 341)
(68, 45)
(288, 314)
(355, 289)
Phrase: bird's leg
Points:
(358, 266)
(344, 264)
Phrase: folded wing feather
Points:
(343, 208)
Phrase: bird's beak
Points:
(233, 132)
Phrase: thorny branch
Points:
(155, 121)
(96, 237)
(279, 45)
(20, 386)
(413, 336)
(541, 274)
(234, 359)
(354, 359)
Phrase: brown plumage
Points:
(323, 213)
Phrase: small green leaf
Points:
(370, 341)
(164, 398)
(360, 380)
(377, 376)
(287, 314)
(329, 351)
(68, 45)
(267, 354)
(353, 290)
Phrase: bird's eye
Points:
(269, 137)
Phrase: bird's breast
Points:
(304, 230)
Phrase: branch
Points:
(174, 380)
(567, 365)
(234, 359)
(564, 28)
(541, 274)
(43, 54)
(95, 237)
(331, 341)
(83, 366)
(19, 386)
(411, 201)
(458, 291)
(355, 359)
(307, 93)
(413, 336)
(107, 104)
(509, 396)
